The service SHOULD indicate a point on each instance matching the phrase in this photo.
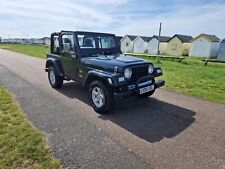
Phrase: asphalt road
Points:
(167, 130)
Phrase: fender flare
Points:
(93, 74)
(56, 64)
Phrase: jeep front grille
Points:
(139, 71)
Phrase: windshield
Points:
(95, 41)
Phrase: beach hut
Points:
(205, 45)
(140, 44)
(127, 43)
(179, 45)
(221, 54)
(152, 45)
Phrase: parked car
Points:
(95, 61)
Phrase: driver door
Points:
(68, 56)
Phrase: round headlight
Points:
(127, 73)
(150, 69)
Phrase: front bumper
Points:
(135, 90)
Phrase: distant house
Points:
(27, 41)
(42, 41)
(179, 45)
(17, 40)
(221, 54)
(205, 45)
(45, 41)
(152, 45)
(4, 40)
(127, 43)
(140, 44)
(35, 41)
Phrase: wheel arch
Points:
(93, 75)
(56, 64)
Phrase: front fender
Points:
(56, 63)
(100, 75)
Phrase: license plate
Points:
(146, 89)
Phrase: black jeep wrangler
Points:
(95, 60)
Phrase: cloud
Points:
(25, 18)
(110, 2)
(35, 18)
(207, 18)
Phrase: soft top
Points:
(86, 32)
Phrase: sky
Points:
(39, 18)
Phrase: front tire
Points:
(101, 97)
(54, 80)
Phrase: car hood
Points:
(109, 62)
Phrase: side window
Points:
(106, 42)
(68, 43)
(86, 41)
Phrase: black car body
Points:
(96, 61)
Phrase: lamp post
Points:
(158, 52)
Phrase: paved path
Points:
(168, 130)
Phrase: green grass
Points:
(189, 77)
(21, 145)
(193, 78)
(32, 50)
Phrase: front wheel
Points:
(54, 80)
(101, 97)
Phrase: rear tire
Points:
(54, 80)
(101, 97)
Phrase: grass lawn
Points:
(21, 145)
(190, 77)
(193, 78)
(32, 50)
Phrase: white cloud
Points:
(25, 18)
(110, 2)
(36, 17)
(191, 21)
